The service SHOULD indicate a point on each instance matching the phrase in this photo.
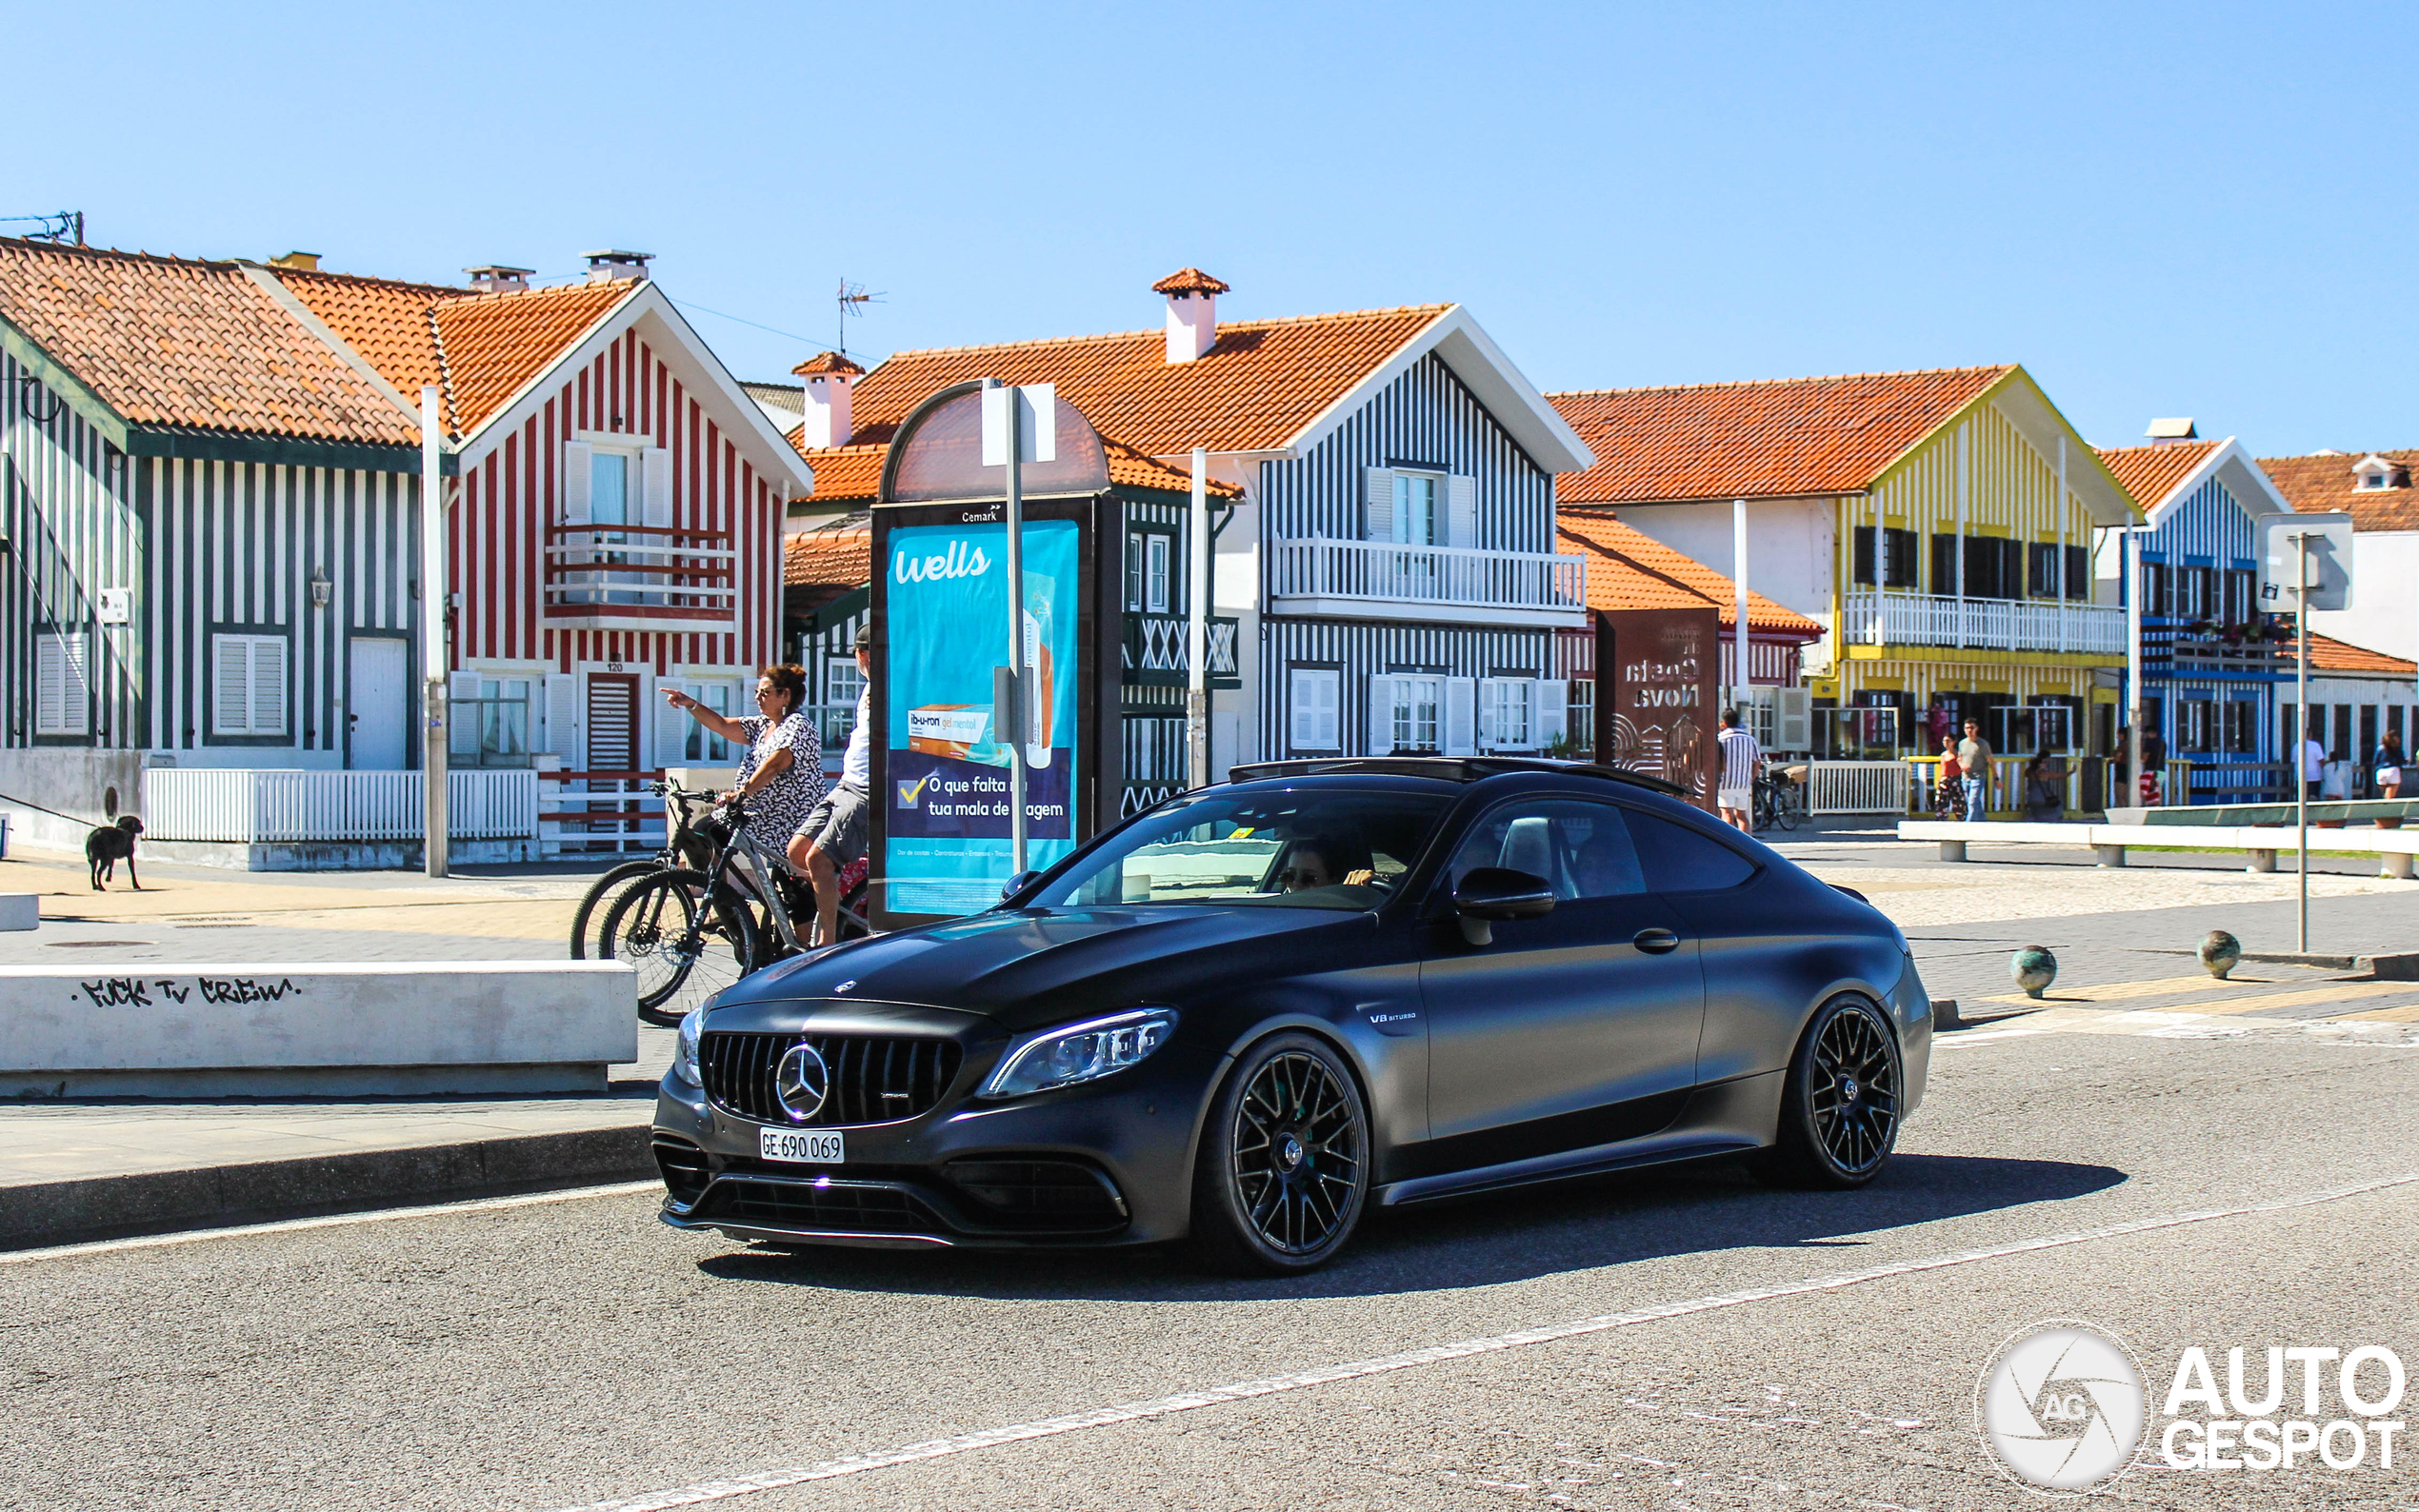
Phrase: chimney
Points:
(2172, 431)
(497, 279)
(828, 377)
(605, 265)
(1192, 312)
(299, 262)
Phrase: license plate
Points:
(802, 1146)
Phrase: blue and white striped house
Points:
(2211, 660)
(1387, 552)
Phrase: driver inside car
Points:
(1322, 861)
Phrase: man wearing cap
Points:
(834, 834)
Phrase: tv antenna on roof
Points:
(65, 228)
(852, 302)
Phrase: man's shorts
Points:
(836, 824)
(1735, 798)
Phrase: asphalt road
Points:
(571, 1351)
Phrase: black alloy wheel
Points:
(684, 946)
(1840, 1107)
(1282, 1175)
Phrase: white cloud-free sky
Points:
(2166, 209)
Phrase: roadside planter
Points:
(314, 1029)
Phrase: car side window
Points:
(1582, 849)
(1677, 858)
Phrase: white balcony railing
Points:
(1382, 572)
(1998, 625)
(640, 572)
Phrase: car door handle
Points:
(1655, 941)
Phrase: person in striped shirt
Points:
(1735, 794)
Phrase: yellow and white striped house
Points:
(1938, 524)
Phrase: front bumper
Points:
(1109, 1163)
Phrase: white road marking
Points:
(1943, 1041)
(1326, 1375)
(387, 1215)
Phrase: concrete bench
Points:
(2260, 846)
(315, 1030)
(2329, 810)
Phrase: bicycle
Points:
(677, 926)
(1779, 804)
(683, 846)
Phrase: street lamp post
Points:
(433, 610)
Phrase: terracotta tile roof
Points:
(2150, 473)
(827, 362)
(384, 320)
(852, 472)
(171, 342)
(2327, 654)
(1795, 437)
(1627, 570)
(496, 343)
(835, 553)
(2323, 482)
(1190, 280)
(1259, 386)
(842, 473)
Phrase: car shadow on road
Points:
(1574, 1226)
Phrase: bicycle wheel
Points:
(1786, 813)
(686, 940)
(596, 905)
(852, 921)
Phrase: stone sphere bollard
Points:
(2033, 969)
(2219, 952)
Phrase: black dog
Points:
(108, 845)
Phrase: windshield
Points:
(1324, 848)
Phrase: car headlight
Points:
(1080, 1053)
(685, 1062)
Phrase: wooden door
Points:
(613, 721)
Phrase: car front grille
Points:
(874, 1079)
(1058, 1194)
(827, 1206)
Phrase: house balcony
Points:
(2201, 650)
(1382, 580)
(636, 577)
(1155, 646)
(1988, 625)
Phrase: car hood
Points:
(1040, 965)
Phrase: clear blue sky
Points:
(2193, 209)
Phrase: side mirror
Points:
(1018, 883)
(1490, 894)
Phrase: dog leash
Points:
(71, 819)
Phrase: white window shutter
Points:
(75, 686)
(1462, 512)
(575, 482)
(1381, 716)
(1380, 518)
(1793, 719)
(672, 725)
(562, 714)
(1330, 730)
(230, 692)
(1460, 716)
(656, 470)
(1303, 724)
(49, 683)
(1490, 704)
(1553, 712)
(269, 684)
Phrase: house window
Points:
(1864, 569)
(1417, 701)
(608, 488)
(2158, 589)
(1902, 558)
(2377, 478)
(1133, 570)
(1943, 566)
(247, 677)
(842, 685)
(490, 722)
(2044, 570)
(1155, 575)
(1317, 697)
(1415, 508)
(2078, 576)
(681, 740)
(1506, 713)
(2195, 724)
(62, 701)
(2195, 595)
(2241, 583)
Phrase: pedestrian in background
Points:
(2313, 765)
(2389, 767)
(1973, 764)
(1741, 759)
(1948, 789)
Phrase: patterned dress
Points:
(780, 806)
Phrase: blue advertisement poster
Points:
(948, 850)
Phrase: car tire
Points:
(1842, 1102)
(1282, 1174)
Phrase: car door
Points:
(1565, 1031)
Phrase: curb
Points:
(2402, 966)
(50, 1213)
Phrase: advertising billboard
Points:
(1655, 672)
(944, 797)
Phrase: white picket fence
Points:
(1856, 788)
(275, 805)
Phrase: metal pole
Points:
(1022, 700)
(434, 828)
(2301, 781)
(1739, 569)
(2130, 553)
(1197, 630)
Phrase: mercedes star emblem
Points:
(801, 1082)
